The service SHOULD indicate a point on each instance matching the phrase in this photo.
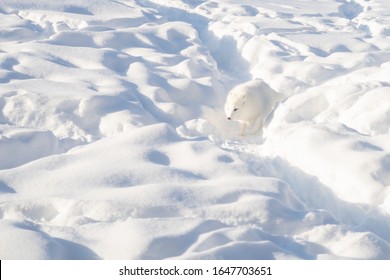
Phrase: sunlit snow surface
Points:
(114, 143)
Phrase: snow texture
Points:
(114, 143)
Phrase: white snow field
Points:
(114, 143)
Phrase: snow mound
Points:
(22, 145)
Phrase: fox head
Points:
(234, 106)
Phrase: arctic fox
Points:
(250, 103)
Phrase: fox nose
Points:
(228, 118)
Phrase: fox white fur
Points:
(250, 103)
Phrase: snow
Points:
(114, 143)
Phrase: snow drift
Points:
(114, 143)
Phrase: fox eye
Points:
(235, 109)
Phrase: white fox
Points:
(250, 103)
